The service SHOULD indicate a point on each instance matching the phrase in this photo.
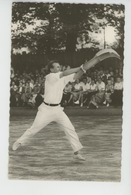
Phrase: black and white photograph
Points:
(66, 91)
(65, 97)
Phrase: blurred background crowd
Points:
(97, 87)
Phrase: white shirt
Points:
(100, 86)
(77, 86)
(86, 86)
(118, 86)
(93, 87)
(54, 86)
(31, 85)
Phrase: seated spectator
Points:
(12, 73)
(42, 88)
(35, 90)
(26, 95)
(107, 74)
(12, 98)
(38, 100)
(108, 91)
(85, 90)
(66, 99)
(92, 91)
(13, 95)
(118, 92)
(112, 80)
(31, 101)
(21, 90)
(98, 98)
(31, 83)
(76, 92)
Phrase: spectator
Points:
(92, 91)
(108, 91)
(76, 92)
(31, 101)
(67, 95)
(13, 94)
(36, 90)
(39, 99)
(42, 88)
(21, 89)
(12, 73)
(85, 92)
(118, 91)
(26, 95)
(31, 83)
(98, 98)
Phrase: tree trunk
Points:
(71, 47)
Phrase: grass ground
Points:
(48, 155)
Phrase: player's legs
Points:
(69, 130)
(43, 118)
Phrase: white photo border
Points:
(18, 187)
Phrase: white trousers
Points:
(47, 114)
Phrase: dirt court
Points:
(48, 155)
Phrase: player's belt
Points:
(51, 104)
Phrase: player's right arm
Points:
(69, 72)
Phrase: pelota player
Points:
(50, 110)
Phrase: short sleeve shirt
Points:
(86, 86)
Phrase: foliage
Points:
(48, 28)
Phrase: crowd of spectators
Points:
(97, 87)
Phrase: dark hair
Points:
(50, 64)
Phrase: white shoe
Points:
(79, 157)
(77, 102)
(16, 145)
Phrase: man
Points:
(50, 109)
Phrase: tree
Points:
(52, 27)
